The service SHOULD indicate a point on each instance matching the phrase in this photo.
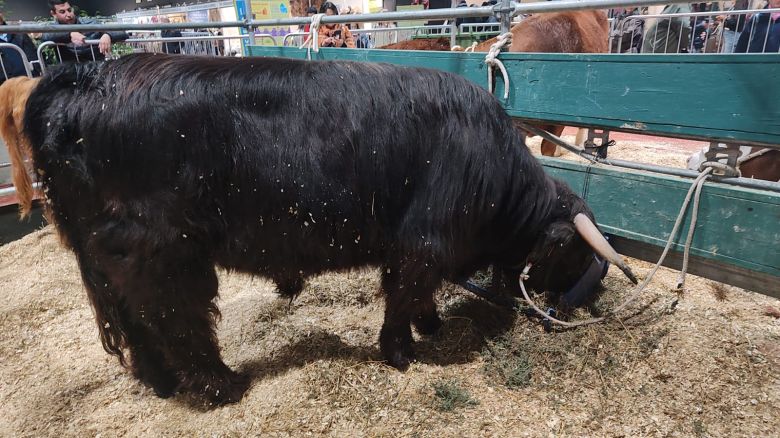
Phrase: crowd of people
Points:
(717, 28)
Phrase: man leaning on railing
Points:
(76, 49)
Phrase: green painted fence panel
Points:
(736, 226)
(717, 97)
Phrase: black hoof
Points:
(427, 324)
(400, 360)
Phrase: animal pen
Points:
(735, 237)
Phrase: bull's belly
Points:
(284, 250)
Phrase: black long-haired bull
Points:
(157, 168)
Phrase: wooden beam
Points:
(703, 267)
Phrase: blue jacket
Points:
(11, 60)
(754, 37)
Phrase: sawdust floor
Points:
(702, 363)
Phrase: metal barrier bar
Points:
(432, 14)
(93, 43)
(415, 30)
(27, 66)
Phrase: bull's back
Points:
(290, 147)
(559, 32)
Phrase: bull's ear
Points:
(558, 234)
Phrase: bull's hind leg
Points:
(175, 302)
(119, 330)
(156, 299)
(409, 289)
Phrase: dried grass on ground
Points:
(702, 363)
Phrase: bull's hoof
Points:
(401, 360)
(166, 388)
(396, 346)
(427, 324)
(230, 391)
(163, 382)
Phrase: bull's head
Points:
(567, 258)
(13, 101)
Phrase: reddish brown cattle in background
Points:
(438, 44)
(556, 32)
(765, 166)
(559, 32)
(753, 162)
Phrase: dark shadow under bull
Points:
(158, 168)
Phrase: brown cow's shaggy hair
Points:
(559, 32)
(13, 99)
(436, 44)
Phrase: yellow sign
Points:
(374, 6)
(271, 9)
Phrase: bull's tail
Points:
(13, 100)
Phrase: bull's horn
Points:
(596, 240)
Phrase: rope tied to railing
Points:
(696, 186)
(471, 47)
(491, 59)
(312, 42)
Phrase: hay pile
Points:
(706, 365)
(702, 363)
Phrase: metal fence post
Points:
(249, 28)
(505, 17)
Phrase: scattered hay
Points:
(507, 362)
(353, 288)
(720, 291)
(772, 311)
(688, 365)
(450, 396)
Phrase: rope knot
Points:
(311, 42)
(491, 59)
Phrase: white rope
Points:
(491, 59)
(312, 40)
(752, 155)
(696, 186)
(471, 47)
(691, 229)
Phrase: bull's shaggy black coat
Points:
(158, 168)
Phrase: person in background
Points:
(762, 32)
(732, 26)
(626, 36)
(669, 35)
(310, 11)
(77, 50)
(700, 35)
(334, 35)
(12, 62)
(173, 47)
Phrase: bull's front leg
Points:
(409, 290)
